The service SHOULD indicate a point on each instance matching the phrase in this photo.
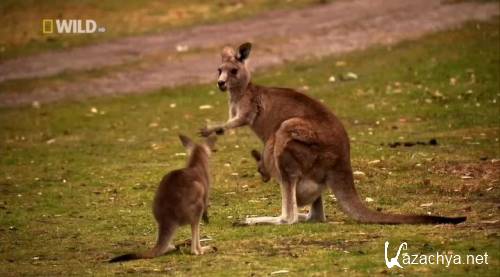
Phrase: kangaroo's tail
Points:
(342, 185)
(162, 246)
(129, 257)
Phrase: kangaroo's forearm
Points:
(230, 124)
(234, 123)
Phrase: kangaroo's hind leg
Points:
(289, 209)
(196, 248)
(164, 244)
(195, 239)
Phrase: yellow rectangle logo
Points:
(47, 26)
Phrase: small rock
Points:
(205, 107)
(349, 76)
(358, 173)
(489, 221)
(181, 48)
(283, 271)
(340, 63)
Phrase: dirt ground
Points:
(145, 63)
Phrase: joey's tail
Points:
(342, 185)
(161, 247)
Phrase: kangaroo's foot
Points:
(208, 249)
(170, 248)
(265, 220)
(203, 250)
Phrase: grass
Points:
(77, 179)
(21, 28)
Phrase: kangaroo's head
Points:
(207, 147)
(260, 166)
(233, 72)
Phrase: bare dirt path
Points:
(279, 36)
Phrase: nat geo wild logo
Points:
(404, 258)
(71, 26)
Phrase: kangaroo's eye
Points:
(220, 71)
(234, 71)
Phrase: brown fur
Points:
(261, 168)
(306, 148)
(181, 199)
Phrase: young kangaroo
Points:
(306, 148)
(261, 168)
(181, 199)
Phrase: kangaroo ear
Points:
(187, 142)
(210, 141)
(243, 51)
(227, 54)
(256, 155)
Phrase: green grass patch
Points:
(77, 179)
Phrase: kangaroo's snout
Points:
(222, 85)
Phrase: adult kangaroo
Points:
(306, 148)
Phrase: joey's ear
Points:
(243, 51)
(256, 155)
(187, 142)
(210, 141)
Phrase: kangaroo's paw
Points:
(205, 132)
